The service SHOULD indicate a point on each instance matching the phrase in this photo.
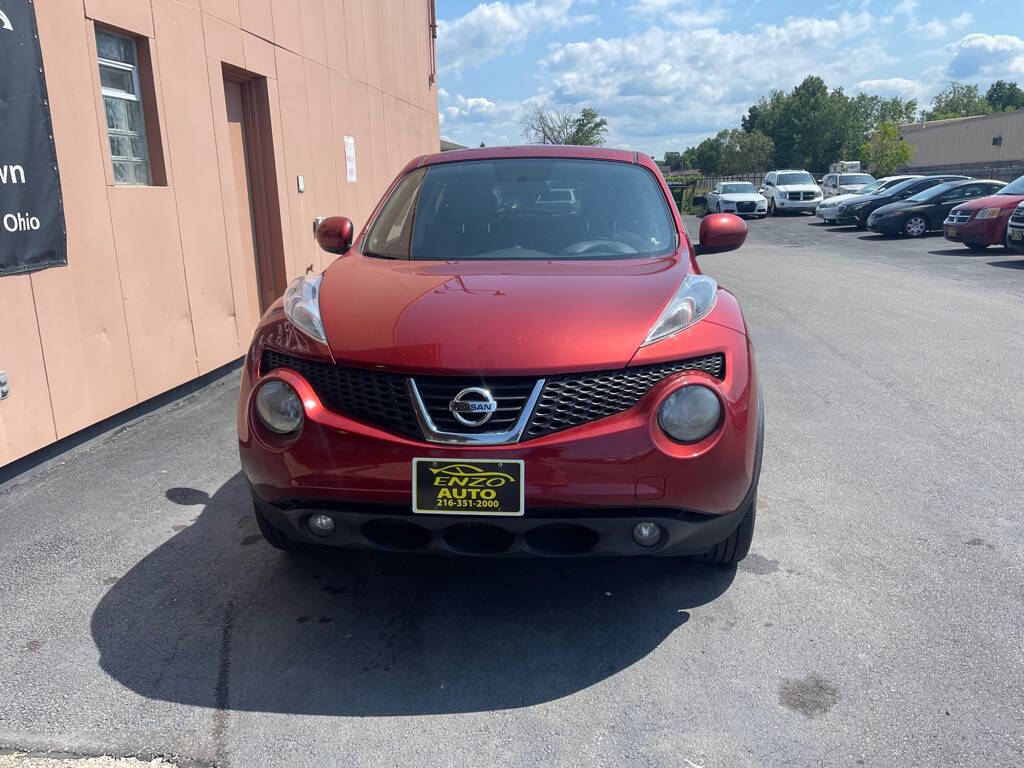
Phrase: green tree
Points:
(888, 151)
(812, 126)
(1004, 96)
(958, 100)
(674, 160)
(744, 152)
(708, 156)
(542, 125)
(689, 158)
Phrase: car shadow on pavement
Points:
(1008, 264)
(216, 618)
(961, 251)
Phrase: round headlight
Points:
(279, 407)
(690, 414)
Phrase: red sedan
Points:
(518, 355)
(982, 222)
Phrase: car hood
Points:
(741, 197)
(992, 201)
(851, 188)
(836, 200)
(854, 199)
(797, 188)
(512, 317)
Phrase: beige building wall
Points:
(967, 141)
(158, 289)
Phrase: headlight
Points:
(989, 213)
(694, 299)
(302, 306)
(279, 407)
(690, 414)
(858, 206)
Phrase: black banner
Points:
(32, 230)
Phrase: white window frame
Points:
(133, 68)
(115, 93)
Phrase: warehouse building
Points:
(174, 157)
(989, 146)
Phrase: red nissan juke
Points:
(517, 356)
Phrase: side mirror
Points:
(721, 232)
(334, 234)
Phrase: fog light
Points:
(690, 414)
(279, 407)
(646, 534)
(321, 525)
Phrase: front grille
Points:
(382, 399)
(1017, 217)
(801, 195)
(958, 217)
(746, 206)
(510, 394)
(373, 397)
(574, 399)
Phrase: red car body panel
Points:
(984, 231)
(511, 318)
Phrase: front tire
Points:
(731, 550)
(915, 226)
(771, 206)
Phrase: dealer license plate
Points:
(949, 231)
(467, 487)
(1017, 234)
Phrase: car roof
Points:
(534, 150)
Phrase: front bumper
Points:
(977, 231)
(798, 205)
(1015, 236)
(760, 209)
(889, 225)
(591, 483)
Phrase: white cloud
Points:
(961, 21)
(489, 30)
(980, 55)
(931, 30)
(679, 13)
(906, 7)
(895, 86)
(665, 83)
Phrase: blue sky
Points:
(667, 73)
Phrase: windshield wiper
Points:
(375, 255)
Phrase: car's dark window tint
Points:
(531, 208)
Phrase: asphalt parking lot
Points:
(876, 622)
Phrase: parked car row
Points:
(787, 190)
(975, 212)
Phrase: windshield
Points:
(794, 178)
(736, 189)
(1015, 187)
(856, 178)
(524, 209)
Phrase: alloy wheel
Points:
(915, 226)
